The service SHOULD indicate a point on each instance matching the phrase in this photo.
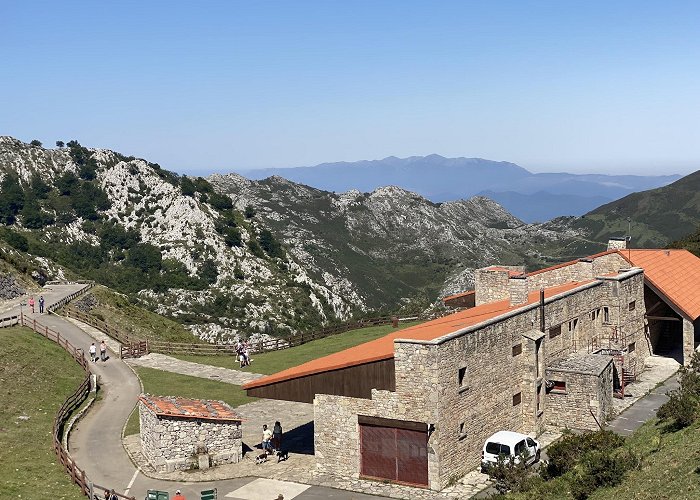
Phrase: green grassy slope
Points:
(275, 361)
(657, 216)
(116, 310)
(36, 376)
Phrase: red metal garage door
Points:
(393, 453)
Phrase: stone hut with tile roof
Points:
(183, 434)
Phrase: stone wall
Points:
(688, 341)
(9, 288)
(491, 285)
(171, 443)
(584, 393)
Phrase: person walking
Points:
(93, 352)
(277, 436)
(103, 351)
(31, 303)
(179, 495)
(266, 437)
(41, 304)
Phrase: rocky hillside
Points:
(385, 247)
(170, 242)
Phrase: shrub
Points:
(270, 244)
(220, 201)
(508, 475)
(683, 406)
(15, 240)
(249, 212)
(564, 454)
(187, 186)
(36, 142)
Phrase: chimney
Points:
(517, 286)
(617, 243)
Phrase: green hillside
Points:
(36, 376)
(657, 216)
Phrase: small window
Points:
(606, 315)
(517, 399)
(463, 378)
(530, 442)
(557, 386)
(520, 448)
(631, 347)
(632, 305)
(592, 315)
(539, 399)
(554, 331)
(517, 349)
(461, 430)
(573, 324)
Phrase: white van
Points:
(509, 444)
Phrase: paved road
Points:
(96, 445)
(643, 410)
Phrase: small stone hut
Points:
(579, 391)
(182, 434)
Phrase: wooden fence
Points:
(134, 347)
(71, 403)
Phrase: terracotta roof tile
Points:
(167, 406)
(458, 295)
(383, 348)
(676, 273)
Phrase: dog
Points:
(282, 455)
(260, 459)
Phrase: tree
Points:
(36, 142)
(38, 186)
(145, 257)
(11, 199)
(270, 244)
(67, 184)
(249, 212)
(60, 144)
(32, 216)
(220, 201)
(208, 272)
(187, 186)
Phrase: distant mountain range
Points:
(530, 197)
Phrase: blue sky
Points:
(216, 86)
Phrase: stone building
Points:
(182, 434)
(537, 350)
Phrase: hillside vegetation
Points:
(657, 216)
(690, 242)
(119, 311)
(36, 376)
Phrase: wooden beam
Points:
(663, 318)
(655, 306)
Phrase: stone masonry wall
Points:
(171, 444)
(336, 428)
(490, 286)
(584, 393)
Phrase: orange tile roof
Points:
(571, 262)
(383, 348)
(676, 273)
(167, 406)
(458, 295)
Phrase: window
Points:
(497, 449)
(632, 305)
(530, 442)
(631, 347)
(606, 315)
(517, 398)
(462, 432)
(573, 324)
(557, 386)
(555, 331)
(463, 378)
(517, 349)
(539, 399)
(538, 344)
(520, 448)
(592, 315)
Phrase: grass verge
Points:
(36, 376)
(274, 361)
(162, 383)
(115, 309)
